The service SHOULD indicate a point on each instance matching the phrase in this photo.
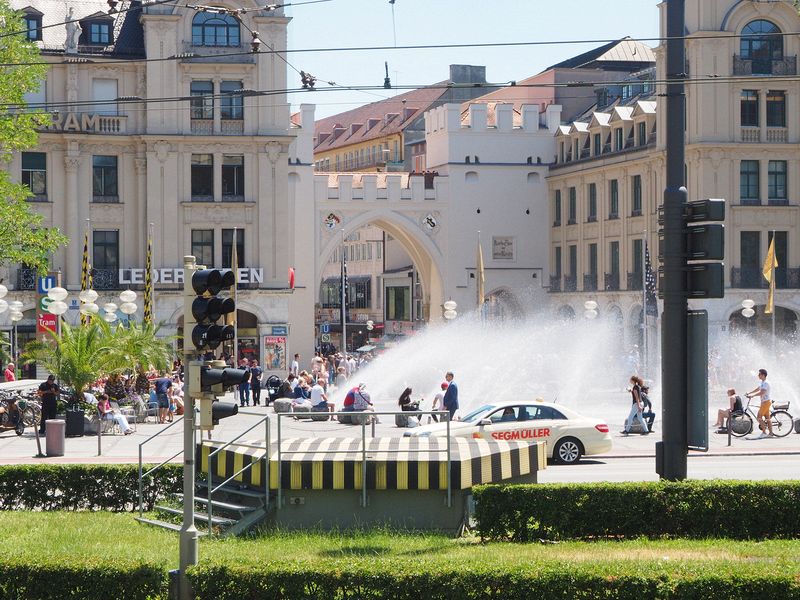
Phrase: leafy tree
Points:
(80, 355)
(22, 237)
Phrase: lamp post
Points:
(15, 314)
(590, 310)
(747, 310)
(450, 312)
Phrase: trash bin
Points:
(54, 440)
(74, 422)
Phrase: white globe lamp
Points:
(57, 293)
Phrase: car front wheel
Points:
(568, 451)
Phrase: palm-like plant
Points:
(141, 347)
(80, 355)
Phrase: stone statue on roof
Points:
(74, 31)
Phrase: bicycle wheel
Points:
(741, 424)
(782, 423)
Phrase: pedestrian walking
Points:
(637, 406)
(763, 390)
(255, 381)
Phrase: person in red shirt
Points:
(9, 372)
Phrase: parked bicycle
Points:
(741, 422)
(18, 411)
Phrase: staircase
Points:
(234, 510)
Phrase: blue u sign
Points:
(46, 283)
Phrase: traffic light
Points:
(213, 378)
(705, 248)
(207, 308)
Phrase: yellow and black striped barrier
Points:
(393, 463)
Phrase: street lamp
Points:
(15, 314)
(450, 312)
(747, 308)
(590, 309)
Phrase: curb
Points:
(714, 453)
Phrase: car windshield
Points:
(477, 413)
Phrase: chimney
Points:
(407, 112)
(467, 74)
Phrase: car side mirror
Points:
(483, 422)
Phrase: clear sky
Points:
(347, 23)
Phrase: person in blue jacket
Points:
(450, 399)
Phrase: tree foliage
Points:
(80, 355)
(22, 237)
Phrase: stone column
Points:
(73, 229)
(140, 210)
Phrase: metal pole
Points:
(363, 464)
(344, 299)
(141, 484)
(280, 470)
(772, 292)
(645, 361)
(449, 465)
(188, 553)
(671, 454)
(266, 470)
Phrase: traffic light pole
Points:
(671, 454)
(188, 553)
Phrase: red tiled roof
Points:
(375, 120)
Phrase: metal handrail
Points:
(213, 454)
(143, 475)
(443, 413)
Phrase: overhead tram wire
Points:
(113, 11)
(491, 86)
(148, 4)
(321, 50)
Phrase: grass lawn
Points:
(93, 537)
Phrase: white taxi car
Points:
(569, 435)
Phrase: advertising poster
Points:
(275, 352)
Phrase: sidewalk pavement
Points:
(125, 449)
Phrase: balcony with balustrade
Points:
(753, 278)
(611, 282)
(764, 66)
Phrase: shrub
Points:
(688, 509)
(52, 579)
(84, 487)
(407, 582)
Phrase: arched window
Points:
(762, 43)
(210, 29)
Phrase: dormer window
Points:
(211, 29)
(97, 30)
(99, 34)
(33, 27)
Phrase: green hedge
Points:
(84, 487)
(404, 582)
(115, 577)
(688, 509)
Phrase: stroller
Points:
(273, 388)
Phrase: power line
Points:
(185, 56)
(711, 79)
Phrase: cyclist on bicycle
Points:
(763, 390)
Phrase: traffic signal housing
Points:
(213, 380)
(207, 308)
(705, 248)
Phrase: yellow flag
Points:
(770, 263)
(480, 275)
